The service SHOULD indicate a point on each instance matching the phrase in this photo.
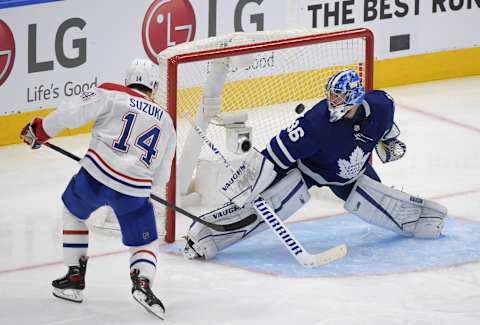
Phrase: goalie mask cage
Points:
(260, 76)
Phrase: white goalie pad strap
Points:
(286, 197)
(395, 210)
(252, 177)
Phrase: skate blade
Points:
(69, 294)
(155, 309)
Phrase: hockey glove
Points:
(33, 134)
(390, 150)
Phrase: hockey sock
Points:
(144, 259)
(75, 238)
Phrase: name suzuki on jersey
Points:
(146, 107)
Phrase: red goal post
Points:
(243, 73)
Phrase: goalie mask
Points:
(142, 72)
(343, 91)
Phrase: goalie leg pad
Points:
(431, 222)
(205, 242)
(398, 211)
(286, 197)
(251, 178)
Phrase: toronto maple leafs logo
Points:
(350, 169)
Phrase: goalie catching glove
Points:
(389, 148)
(33, 134)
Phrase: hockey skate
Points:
(71, 286)
(142, 293)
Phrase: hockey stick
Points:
(276, 224)
(222, 228)
(292, 244)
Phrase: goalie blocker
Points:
(370, 200)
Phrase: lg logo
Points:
(256, 19)
(7, 48)
(170, 22)
(7, 51)
(80, 44)
(166, 23)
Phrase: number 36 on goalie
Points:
(294, 131)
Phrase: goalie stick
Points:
(218, 227)
(294, 247)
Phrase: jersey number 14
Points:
(295, 132)
(147, 140)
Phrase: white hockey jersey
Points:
(133, 139)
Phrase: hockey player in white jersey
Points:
(330, 145)
(131, 149)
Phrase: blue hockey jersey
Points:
(332, 153)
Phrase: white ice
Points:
(440, 124)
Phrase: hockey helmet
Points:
(343, 91)
(142, 72)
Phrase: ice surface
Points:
(384, 280)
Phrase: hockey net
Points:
(245, 85)
(242, 86)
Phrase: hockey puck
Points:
(300, 108)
